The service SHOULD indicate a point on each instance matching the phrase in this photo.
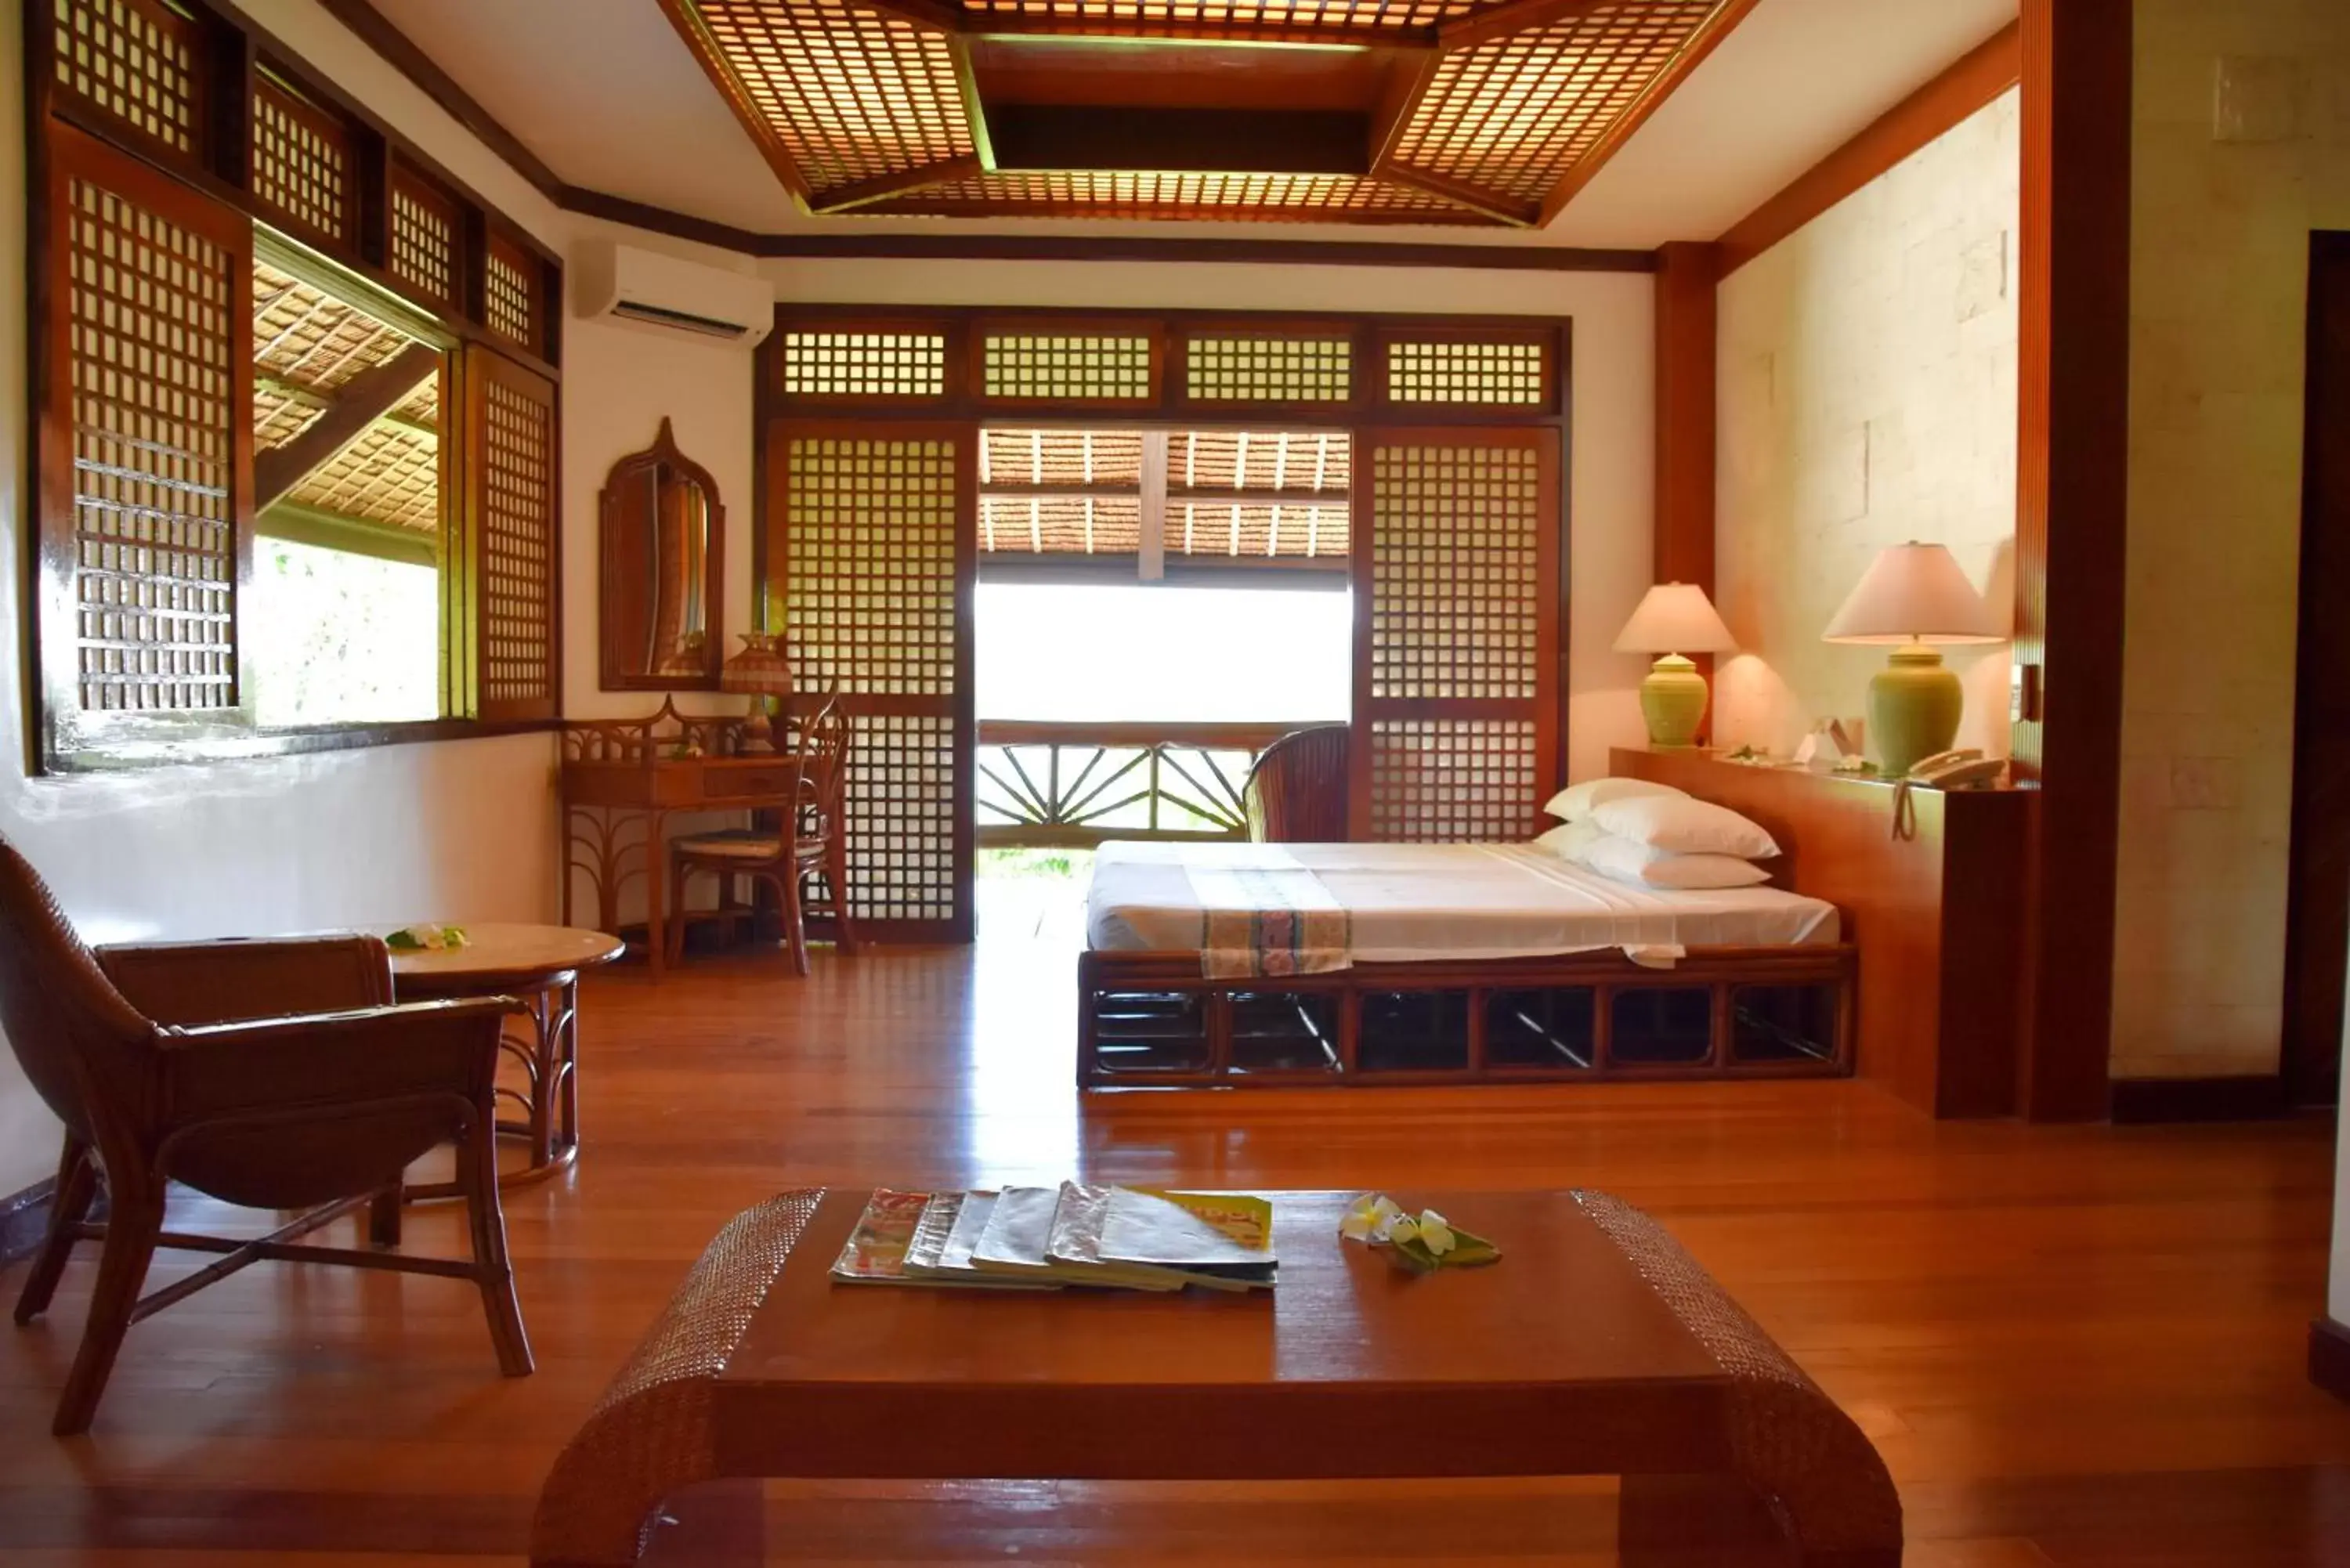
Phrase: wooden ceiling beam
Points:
(902, 182)
(358, 403)
(974, 107)
(682, 16)
(1512, 16)
(1487, 204)
(930, 16)
(1037, 136)
(987, 25)
(1701, 43)
(1409, 79)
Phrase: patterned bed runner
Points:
(1268, 921)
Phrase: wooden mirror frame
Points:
(615, 675)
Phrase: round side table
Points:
(540, 965)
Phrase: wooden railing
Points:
(1072, 784)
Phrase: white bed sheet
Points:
(1418, 902)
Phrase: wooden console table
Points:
(1935, 914)
(1597, 1346)
(622, 781)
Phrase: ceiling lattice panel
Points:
(1400, 111)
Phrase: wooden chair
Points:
(156, 1061)
(811, 842)
(1297, 793)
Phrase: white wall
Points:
(1866, 396)
(459, 830)
(1611, 440)
(2219, 286)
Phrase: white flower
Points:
(1370, 1217)
(1402, 1228)
(1435, 1234)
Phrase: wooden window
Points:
(1458, 545)
(1470, 371)
(859, 365)
(1046, 365)
(142, 499)
(511, 305)
(138, 60)
(869, 566)
(1222, 368)
(423, 243)
(515, 538)
(302, 162)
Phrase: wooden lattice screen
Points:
(303, 166)
(513, 526)
(146, 376)
(873, 552)
(1458, 575)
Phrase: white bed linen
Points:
(1416, 902)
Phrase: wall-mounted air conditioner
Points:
(657, 292)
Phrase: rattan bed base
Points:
(1111, 1055)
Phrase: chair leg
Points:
(795, 915)
(835, 873)
(477, 1158)
(384, 1214)
(132, 1226)
(678, 873)
(76, 1190)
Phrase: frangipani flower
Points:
(1419, 1243)
(1434, 1233)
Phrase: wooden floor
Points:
(2074, 1345)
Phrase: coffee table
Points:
(1598, 1347)
(540, 966)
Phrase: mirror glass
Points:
(662, 534)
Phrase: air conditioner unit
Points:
(657, 292)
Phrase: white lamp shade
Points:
(1913, 593)
(1675, 618)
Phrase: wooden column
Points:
(1686, 274)
(2071, 533)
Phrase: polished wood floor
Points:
(2075, 1347)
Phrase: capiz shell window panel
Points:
(869, 563)
(1459, 540)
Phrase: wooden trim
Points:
(687, 22)
(2071, 534)
(299, 741)
(25, 1221)
(2225, 1099)
(1686, 359)
(380, 33)
(2329, 1356)
(883, 187)
(1627, 125)
(1476, 199)
(1136, 248)
(1974, 79)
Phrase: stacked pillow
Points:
(1654, 836)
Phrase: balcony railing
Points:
(1072, 784)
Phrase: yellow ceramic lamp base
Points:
(1914, 707)
(1672, 699)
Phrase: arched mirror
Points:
(665, 546)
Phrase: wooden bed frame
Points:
(1154, 1020)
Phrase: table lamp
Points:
(1674, 619)
(761, 670)
(1912, 595)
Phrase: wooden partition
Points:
(1936, 913)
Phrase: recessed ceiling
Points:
(611, 97)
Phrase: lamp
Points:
(761, 670)
(1913, 594)
(1674, 619)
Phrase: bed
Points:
(1229, 964)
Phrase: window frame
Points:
(210, 184)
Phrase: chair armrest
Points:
(213, 981)
(417, 1047)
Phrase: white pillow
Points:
(1578, 802)
(1648, 867)
(1568, 840)
(1681, 825)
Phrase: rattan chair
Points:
(159, 1063)
(811, 843)
(1297, 793)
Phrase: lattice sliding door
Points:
(146, 465)
(1458, 539)
(507, 611)
(870, 558)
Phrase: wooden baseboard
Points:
(25, 1219)
(2235, 1099)
(2329, 1356)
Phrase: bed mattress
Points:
(1419, 902)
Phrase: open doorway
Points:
(1154, 606)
